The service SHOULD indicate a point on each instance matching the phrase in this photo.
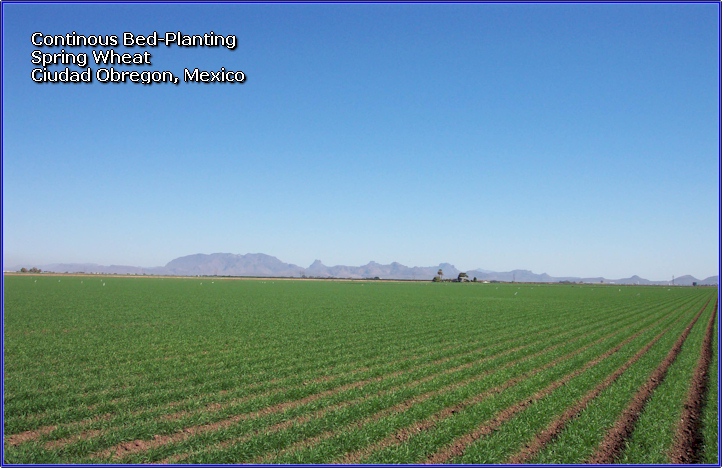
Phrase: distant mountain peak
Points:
(264, 265)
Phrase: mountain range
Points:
(263, 265)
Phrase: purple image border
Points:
(227, 2)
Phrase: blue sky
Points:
(572, 139)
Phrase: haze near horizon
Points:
(572, 139)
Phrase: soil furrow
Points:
(34, 434)
(126, 399)
(281, 426)
(213, 406)
(30, 435)
(404, 434)
(552, 430)
(323, 379)
(135, 446)
(688, 438)
(458, 447)
(614, 441)
(266, 382)
(414, 400)
(138, 446)
(418, 427)
(158, 440)
(56, 444)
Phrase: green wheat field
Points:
(271, 371)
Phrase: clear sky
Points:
(572, 139)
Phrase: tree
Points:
(474, 279)
(437, 279)
(440, 273)
(23, 270)
(462, 276)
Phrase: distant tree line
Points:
(462, 277)
(33, 270)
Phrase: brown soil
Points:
(404, 434)
(167, 417)
(218, 406)
(409, 402)
(614, 441)
(458, 447)
(35, 434)
(15, 440)
(688, 439)
(73, 439)
(318, 380)
(31, 435)
(121, 450)
(273, 428)
(418, 427)
(554, 429)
